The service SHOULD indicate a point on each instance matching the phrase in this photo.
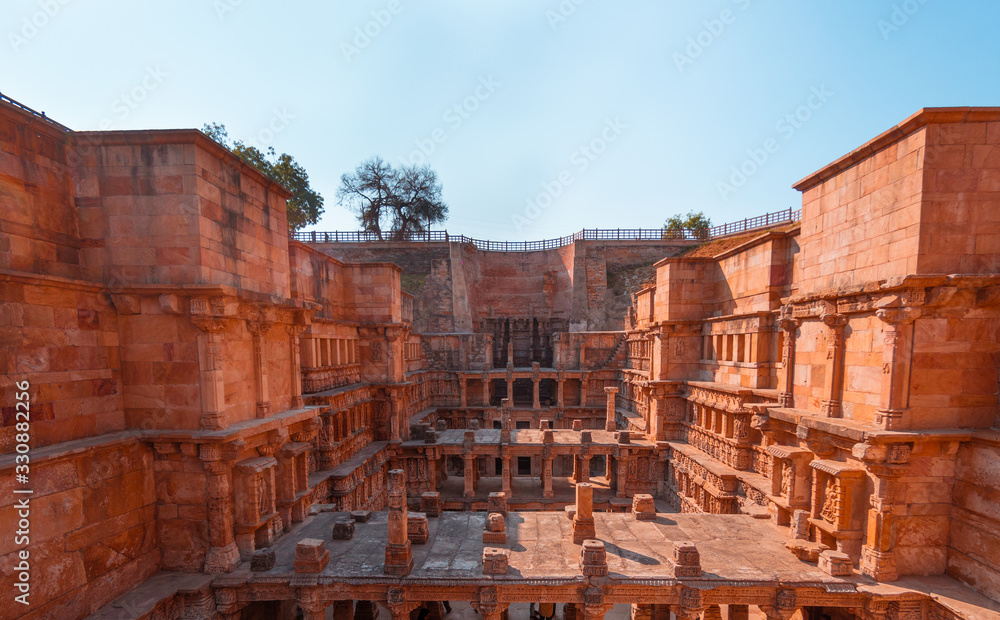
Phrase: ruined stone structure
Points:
(798, 421)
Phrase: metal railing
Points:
(41, 115)
(589, 234)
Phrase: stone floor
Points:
(524, 488)
(733, 548)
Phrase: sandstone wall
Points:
(961, 184)
(38, 221)
(93, 529)
(460, 285)
(864, 223)
(172, 208)
(974, 547)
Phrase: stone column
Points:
(258, 329)
(295, 363)
(212, 384)
(469, 462)
(786, 383)
(313, 609)
(547, 477)
(487, 382)
(488, 604)
(610, 424)
(583, 520)
(834, 382)
(505, 481)
(878, 560)
(560, 401)
(576, 469)
(584, 468)
(398, 555)
(462, 392)
(896, 355)
(223, 556)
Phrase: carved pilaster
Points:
(834, 382)
(223, 556)
(896, 356)
(785, 388)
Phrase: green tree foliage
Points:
(396, 201)
(697, 223)
(306, 205)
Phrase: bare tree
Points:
(399, 202)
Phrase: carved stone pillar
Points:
(488, 603)
(786, 383)
(505, 481)
(547, 477)
(583, 520)
(212, 384)
(398, 555)
(560, 385)
(463, 398)
(469, 462)
(834, 382)
(877, 558)
(258, 329)
(312, 607)
(584, 468)
(536, 380)
(510, 381)
(896, 356)
(223, 556)
(691, 604)
(785, 605)
(295, 363)
(610, 424)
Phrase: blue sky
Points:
(541, 117)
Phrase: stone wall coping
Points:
(180, 136)
(917, 121)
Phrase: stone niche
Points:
(838, 505)
(293, 482)
(257, 521)
(791, 480)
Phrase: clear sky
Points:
(541, 117)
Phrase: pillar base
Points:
(879, 565)
(583, 529)
(398, 559)
(222, 559)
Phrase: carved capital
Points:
(898, 316)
